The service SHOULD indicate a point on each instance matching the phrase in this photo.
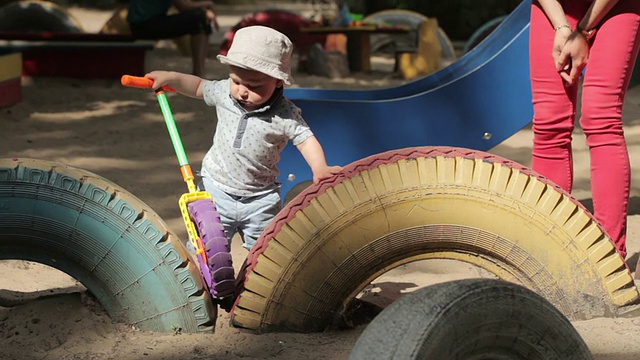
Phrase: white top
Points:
(247, 145)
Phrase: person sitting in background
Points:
(149, 19)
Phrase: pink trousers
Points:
(606, 79)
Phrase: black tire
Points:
(471, 319)
(106, 238)
(37, 16)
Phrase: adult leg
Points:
(199, 50)
(611, 60)
(554, 106)
(199, 40)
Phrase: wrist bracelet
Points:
(588, 34)
(562, 26)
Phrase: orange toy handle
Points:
(141, 82)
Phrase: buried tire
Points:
(471, 319)
(107, 239)
(424, 203)
(36, 16)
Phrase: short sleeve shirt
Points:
(247, 144)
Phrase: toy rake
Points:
(199, 213)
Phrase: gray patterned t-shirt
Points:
(247, 145)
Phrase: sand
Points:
(119, 134)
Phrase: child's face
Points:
(252, 88)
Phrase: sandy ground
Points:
(119, 133)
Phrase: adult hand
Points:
(213, 19)
(573, 57)
(561, 36)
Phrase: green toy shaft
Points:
(173, 130)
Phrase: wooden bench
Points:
(10, 84)
(78, 55)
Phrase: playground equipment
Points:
(37, 16)
(406, 42)
(10, 72)
(471, 318)
(199, 214)
(476, 102)
(284, 21)
(482, 32)
(325, 246)
(384, 210)
(106, 238)
(423, 203)
(53, 43)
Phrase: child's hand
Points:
(326, 172)
(160, 78)
(184, 84)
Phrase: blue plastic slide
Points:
(476, 102)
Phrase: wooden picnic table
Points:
(358, 41)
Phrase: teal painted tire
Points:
(106, 238)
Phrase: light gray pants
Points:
(247, 215)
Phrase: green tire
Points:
(106, 238)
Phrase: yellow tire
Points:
(421, 203)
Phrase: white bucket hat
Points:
(262, 49)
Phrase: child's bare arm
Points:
(313, 154)
(185, 84)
